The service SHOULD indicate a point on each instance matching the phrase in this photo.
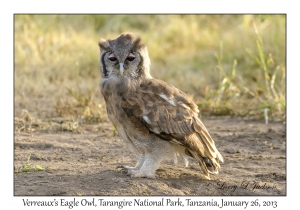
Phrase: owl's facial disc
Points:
(129, 58)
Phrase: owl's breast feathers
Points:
(158, 108)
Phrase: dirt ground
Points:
(84, 162)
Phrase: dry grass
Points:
(230, 64)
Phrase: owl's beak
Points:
(121, 68)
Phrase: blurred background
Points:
(231, 65)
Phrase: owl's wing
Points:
(165, 111)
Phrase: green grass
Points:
(27, 167)
(230, 64)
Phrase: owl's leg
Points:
(150, 164)
(138, 165)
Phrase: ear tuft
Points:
(139, 43)
(104, 44)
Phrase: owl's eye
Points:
(112, 57)
(130, 57)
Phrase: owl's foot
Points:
(137, 174)
(130, 171)
(124, 169)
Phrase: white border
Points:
(134, 6)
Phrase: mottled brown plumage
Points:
(157, 120)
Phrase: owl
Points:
(157, 120)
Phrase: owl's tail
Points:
(207, 165)
(203, 149)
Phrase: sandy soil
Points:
(83, 162)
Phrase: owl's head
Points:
(125, 56)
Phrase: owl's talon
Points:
(124, 171)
